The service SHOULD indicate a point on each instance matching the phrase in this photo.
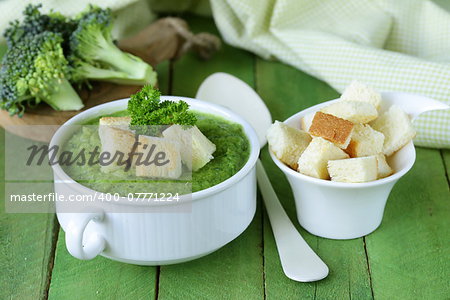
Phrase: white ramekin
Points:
(339, 210)
(174, 232)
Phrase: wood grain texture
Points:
(25, 247)
(287, 91)
(43, 114)
(235, 271)
(445, 153)
(25, 254)
(99, 278)
(409, 254)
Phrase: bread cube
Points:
(306, 121)
(197, 149)
(116, 139)
(360, 169)
(365, 141)
(287, 143)
(117, 122)
(150, 147)
(353, 111)
(384, 170)
(331, 128)
(396, 127)
(358, 91)
(313, 161)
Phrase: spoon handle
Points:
(298, 260)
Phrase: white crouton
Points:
(313, 161)
(360, 169)
(365, 141)
(358, 91)
(384, 170)
(396, 127)
(117, 122)
(148, 165)
(197, 149)
(306, 121)
(353, 111)
(287, 143)
(116, 140)
(331, 128)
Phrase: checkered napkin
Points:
(392, 45)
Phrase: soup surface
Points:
(232, 152)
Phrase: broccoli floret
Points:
(34, 22)
(34, 70)
(95, 56)
(145, 108)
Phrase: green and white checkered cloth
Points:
(392, 45)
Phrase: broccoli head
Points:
(95, 56)
(34, 22)
(145, 108)
(34, 70)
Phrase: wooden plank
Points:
(287, 91)
(26, 254)
(163, 70)
(190, 71)
(26, 247)
(410, 253)
(102, 277)
(445, 153)
(2, 50)
(235, 271)
(443, 3)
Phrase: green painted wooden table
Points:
(407, 257)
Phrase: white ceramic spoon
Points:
(414, 105)
(298, 260)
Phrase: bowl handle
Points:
(94, 245)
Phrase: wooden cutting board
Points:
(45, 115)
(167, 38)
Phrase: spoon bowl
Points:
(414, 105)
(229, 91)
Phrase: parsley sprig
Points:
(146, 108)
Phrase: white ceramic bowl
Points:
(193, 227)
(339, 210)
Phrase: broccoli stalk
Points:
(145, 109)
(64, 97)
(95, 56)
(34, 70)
(81, 71)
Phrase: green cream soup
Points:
(232, 152)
